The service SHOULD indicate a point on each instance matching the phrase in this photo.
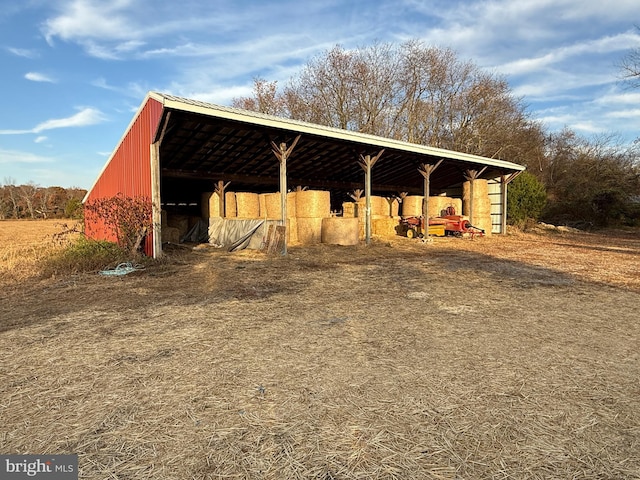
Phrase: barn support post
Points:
(426, 170)
(367, 162)
(282, 153)
(504, 181)
(219, 188)
(156, 207)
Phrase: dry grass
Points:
(23, 245)
(489, 358)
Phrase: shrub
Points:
(83, 255)
(526, 198)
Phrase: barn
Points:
(202, 162)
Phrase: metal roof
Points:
(201, 143)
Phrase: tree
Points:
(526, 198)
(630, 67)
(409, 92)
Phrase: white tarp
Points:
(238, 234)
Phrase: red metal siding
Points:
(129, 170)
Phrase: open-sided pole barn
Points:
(175, 149)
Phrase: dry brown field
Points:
(512, 356)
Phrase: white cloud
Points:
(86, 116)
(14, 156)
(41, 139)
(23, 52)
(38, 77)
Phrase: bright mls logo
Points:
(50, 467)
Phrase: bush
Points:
(526, 198)
(84, 255)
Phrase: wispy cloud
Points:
(23, 52)
(39, 77)
(85, 117)
(41, 139)
(15, 156)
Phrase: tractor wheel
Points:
(411, 233)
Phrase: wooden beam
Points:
(367, 162)
(156, 212)
(282, 153)
(426, 169)
(219, 189)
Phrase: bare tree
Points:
(28, 193)
(630, 67)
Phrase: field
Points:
(505, 357)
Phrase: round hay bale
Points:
(340, 231)
(309, 230)
(480, 198)
(379, 206)
(230, 210)
(274, 208)
(292, 230)
(247, 205)
(313, 204)
(412, 206)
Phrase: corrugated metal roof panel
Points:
(261, 119)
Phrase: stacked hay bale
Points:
(412, 206)
(230, 210)
(210, 205)
(481, 215)
(438, 206)
(271, 209)
(247, 205)
(312, 206)
(384, 215)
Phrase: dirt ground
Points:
(505, 357)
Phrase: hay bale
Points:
(210, 205)
(170, 235)
(313, 204)
(439, 204)
(180, 222)
(230, 210)
(262, 200)
(274, 208)
(481, 215)
(340, 231)
(348, 209)
(309, 230)
(379, 206)
(412, 206)
(395, 207)
(385, 226)
(247, 205)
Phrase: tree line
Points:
(33, 201)
(427, 95)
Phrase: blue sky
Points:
(74, 71)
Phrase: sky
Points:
(74, 72)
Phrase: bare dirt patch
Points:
(504, 357)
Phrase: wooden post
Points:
(156, 207)
(282, 153)
(367, 162)
(426, 170)
(219, 189)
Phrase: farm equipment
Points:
(452, 225)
